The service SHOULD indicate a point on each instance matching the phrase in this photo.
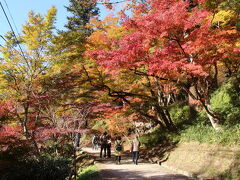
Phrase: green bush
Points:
(158, 136)
(151, 139)
(202, 118)
(46, 167)
(15, 153)
(227, 136)
(88, 173)
(63, 148)
(99, 125)
(180, 113)
(226, 101)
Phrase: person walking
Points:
(77, 139)
(103, 143)
(135, 146)
(109, 144)
(118, 149)
(95, 141)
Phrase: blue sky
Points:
(19, 10)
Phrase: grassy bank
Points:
(206, 161)
(201, 150)
(88, 173)
(227, 136)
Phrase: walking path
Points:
(109, 170)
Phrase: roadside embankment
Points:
(202, 161)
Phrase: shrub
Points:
(158, 136)
(226, 101)
(88, 173)
(206, 134)
(202, 118)
(180, 113)
(46, 167)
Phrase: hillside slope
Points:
(206, 161)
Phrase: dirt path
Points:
(128, 171)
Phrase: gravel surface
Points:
(109, 170)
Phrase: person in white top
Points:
(135, 150)
(109, 142)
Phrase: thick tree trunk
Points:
(164, 117)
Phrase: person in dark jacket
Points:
(103, 143)
(77, 141)
(109, 144)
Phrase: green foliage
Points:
(238, 25)
(196, 127)
(206, 134)
(226, 12)
(46, 167)
(38, 30)
(15, 153)
(65, 149)
(82, 11)
(88, 173)
(226, 101)
(100, 124)
(223, 17)
(180, 113)
(158, 136)
(3, 83)
(201, 117)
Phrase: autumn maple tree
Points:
(175, 43)
(25, 61)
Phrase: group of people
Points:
(105, 143)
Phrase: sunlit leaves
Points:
(38, 29)
(223, 17)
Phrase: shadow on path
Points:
(115, 174)
(128, 171)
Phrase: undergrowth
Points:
(88, 173)
(227, 136)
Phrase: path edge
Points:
(186, 173)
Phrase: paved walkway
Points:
(109, 170)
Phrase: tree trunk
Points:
(169, 119)
(212, 117)
(164, 117)
(25, 129)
